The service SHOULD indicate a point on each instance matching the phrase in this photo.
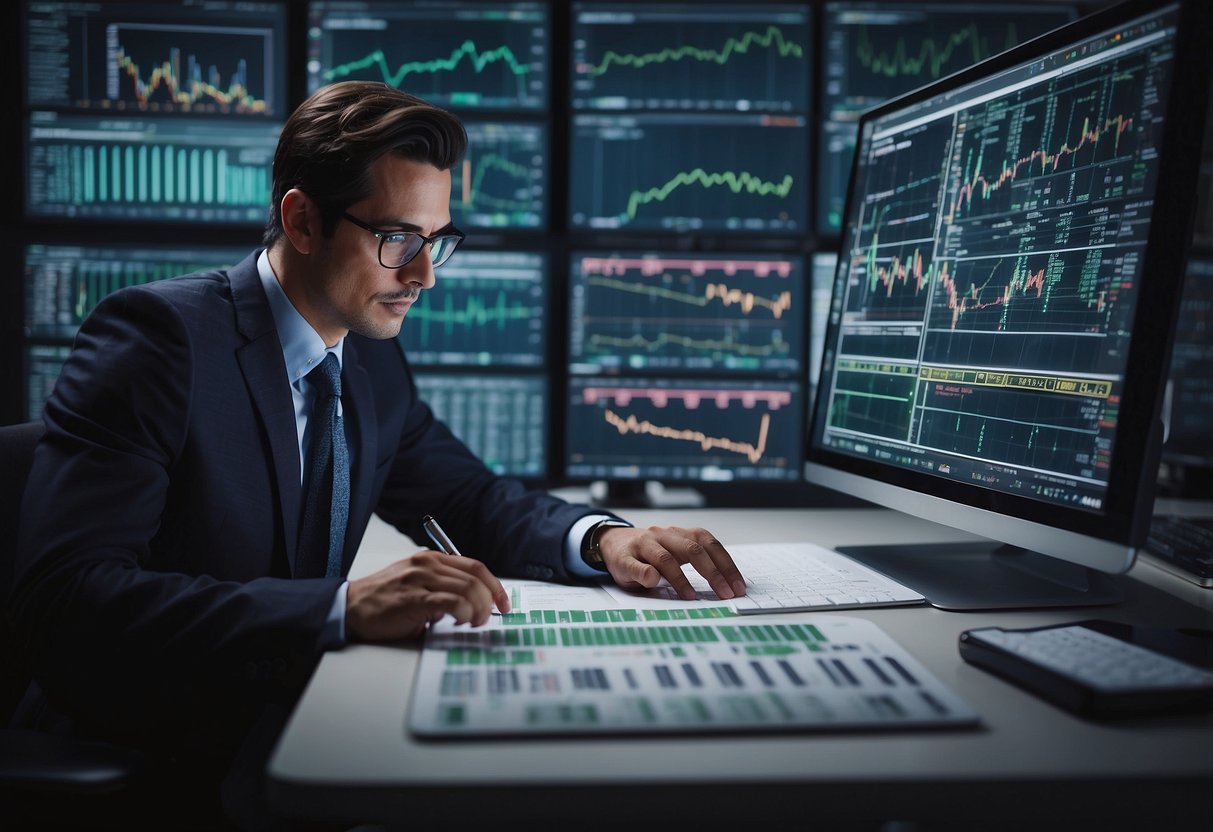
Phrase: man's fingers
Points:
(667, 549)
(654, 553)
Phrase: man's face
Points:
(349, 289)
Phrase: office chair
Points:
(48, 781)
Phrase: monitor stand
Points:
(990, 575)
(642, 494)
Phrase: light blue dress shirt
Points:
(303, 349)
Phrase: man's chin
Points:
(381, 329)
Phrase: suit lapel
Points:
(264, 371)
(363, 436)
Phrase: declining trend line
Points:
(754, 452)
(736, 182)
(712, 291)
(772, 36)
(977, 181)
(185, 90)
(652, 345)
(479, 60)
(900, 63)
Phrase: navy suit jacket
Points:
(158, 537)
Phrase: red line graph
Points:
(983, 185)
(1023, 283)
(753, 451)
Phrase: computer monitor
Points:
(502, 180)
(487, 309)
(684, 368)
(1187, 451)
(689, 172)
(502, 417)
(466, 56)
(1010, 270)
(153, 112)
(64, 282)
(697, 57)
(478, 343)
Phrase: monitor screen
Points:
(43, 363)
(685, 367)
(648, 312)
(488, 309)
(692, 57)
(501, 182)
(1189, 425)
(64, 282)
(502, 418)
(453, 53)
(875, 51)
(1011, 261)
(683, 429)
(689, 172)
(155, 112)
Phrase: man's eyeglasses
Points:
(397, 248)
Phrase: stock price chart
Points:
(690, 57)
(877, 51)
(638, 428)
(689, 172)
(734, 314)
(993, 270)
(487, 309)
(227, 58)
(64, 283)
(204, 170)
(460, 55)
(502, 180)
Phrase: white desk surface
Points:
(346, 755)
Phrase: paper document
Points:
(785, 577)
(818, 672)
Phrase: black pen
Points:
(439, 536)
(441, 540)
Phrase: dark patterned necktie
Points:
(326, 506)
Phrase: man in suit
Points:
(172, 582)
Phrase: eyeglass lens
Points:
(399, 249)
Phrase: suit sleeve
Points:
(518, 532)
(128, 648)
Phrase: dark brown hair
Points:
(329, 143)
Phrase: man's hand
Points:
(400, 600)
(640, 558)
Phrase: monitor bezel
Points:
(1104, 539)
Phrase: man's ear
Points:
(300, 220)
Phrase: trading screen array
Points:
(653, 195)
(986, 293)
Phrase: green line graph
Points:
(736, 182)
(931, 55)
(467, 51)
(474, 312)
(773, 37)
(470, 195)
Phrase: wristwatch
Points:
(590, 551)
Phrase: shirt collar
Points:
(302, 347)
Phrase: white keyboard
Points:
(787, 577)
